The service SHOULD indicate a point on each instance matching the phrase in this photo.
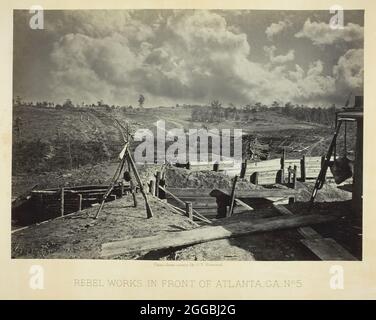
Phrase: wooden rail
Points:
(195, 214)
(268, 171)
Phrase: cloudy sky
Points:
(188, 56)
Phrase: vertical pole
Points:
(303, 168)
(79, 202)
(149, 211)
(289, 174)
(189, 210)
(121, 188)
(357, 198)
(322, 161)
(133, 190)
(157, 183)
(152, 187)
(232, 201)
(243, 169)
(294, 177)
(127, 131)
(283, 165)
(62, 202)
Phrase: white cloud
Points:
(193, 56)
(315, 85)
(322, 34)
(349, 71)
(276, 28)
(280, 59)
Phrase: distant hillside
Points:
(47, 139)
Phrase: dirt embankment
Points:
(183, 178)
(79, 236)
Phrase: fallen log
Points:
(210, 233)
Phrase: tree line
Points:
(215, 112)
(69, 105)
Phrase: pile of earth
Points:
(183, 178)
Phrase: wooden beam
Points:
(188, 210)
(324, 248)
(306, 232)
(232, 198)
(262, 193)
(149, 211)
(210, 233)
(79, 202)
(134, 196)
(243, 204)
(62, 201)
(283, 166)
(204, 193)
(199, 216)
(176, 210)
(243, 169)
(328, 249)
(303, 169)
(294, 177)
(45, 192)
(289, 171)
(152, 187)
(157, 183)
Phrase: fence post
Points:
(216, 166)
(157, 183)
(121, 189)
(79, 202)
(294, 177)
(303, 168)
(152, 187)
(283, 165)
(133, 190)
(243, 169)
(62, 202)
(189, 210)
(232, 201)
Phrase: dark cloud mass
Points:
(185, 56)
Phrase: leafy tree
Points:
(141, 100)
(216, 104)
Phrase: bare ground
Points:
(79, 236)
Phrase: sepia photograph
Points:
(187, 134)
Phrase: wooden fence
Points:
(50, 203)
(280, 170)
